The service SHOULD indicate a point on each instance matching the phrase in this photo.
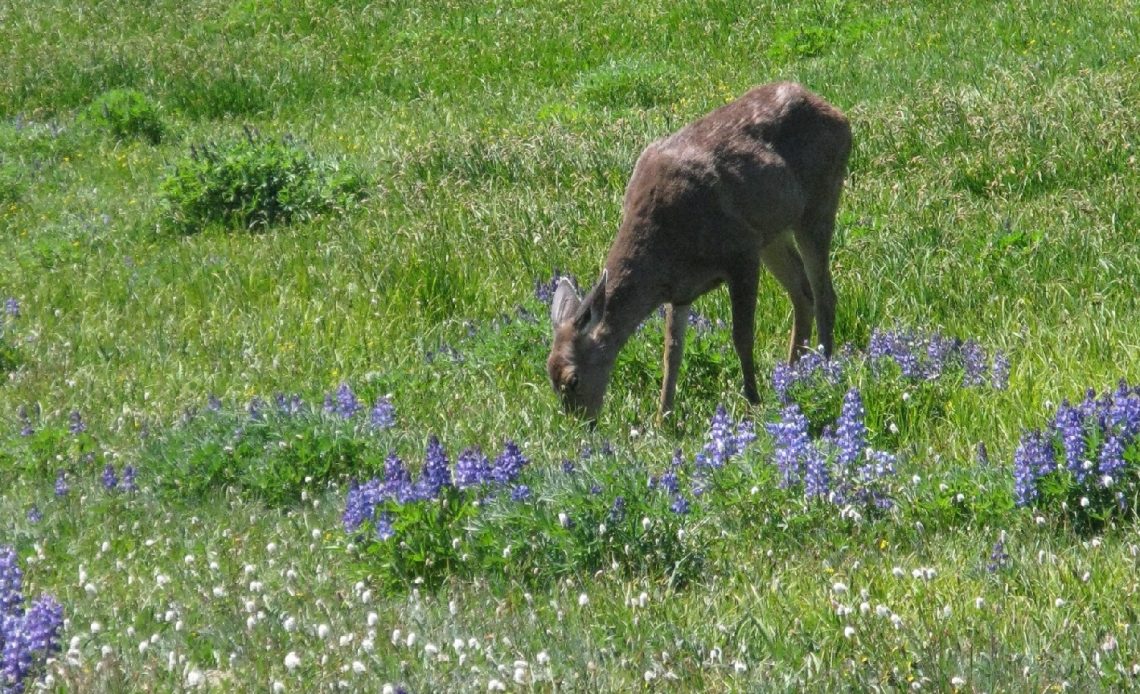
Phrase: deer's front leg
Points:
(676, 320)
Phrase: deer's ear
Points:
(565, 303)
(592, 308)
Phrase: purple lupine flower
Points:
(509, 464)
(850, 431)
(384, 529)
(1111, 464)
(357, 507)
(383, 415)
(791, 442)
(869, 489)
(817, 480)
(343, 402)
(939, 348)
(34, 514)
(668, 481)
(61, 486)
(11, 583)
(680, 505)
(1124, 413)
(783, 376)
(472, 469)
(974, 361)
(596, 489)
(436, 472)
(25, 421)
(397, 481)
(289, 405)
(76, 425)
(1069, 423)
(520, 492)
(109, 478)
(1027, 464)
(999, 372)
(12, 307)
(567, 466)
(213, 404)
(28, 639)
(128, 481)
(617, 510)
(998, 557)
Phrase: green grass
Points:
(992, 194)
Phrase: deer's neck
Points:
(630, 298)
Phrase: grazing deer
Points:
(756, 181)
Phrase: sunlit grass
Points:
(992, 195)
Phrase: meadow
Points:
(273, 410)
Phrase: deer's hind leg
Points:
(784, 262)
(813, 237)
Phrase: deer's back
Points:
(755, 162)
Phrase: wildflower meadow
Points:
(275, 287)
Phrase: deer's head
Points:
(579, 364)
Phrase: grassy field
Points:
(450, 157)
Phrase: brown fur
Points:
(755, 182)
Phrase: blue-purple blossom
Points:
(680, 505)
(1111, 464)
(384, 530)
(255, 409)
(11, 581)
(520, 492)
(289, 405)
(1032, 457)
(383, 415)
(110, 479)
(472, 469)
(128, 482)
(791, 442)
(213, 404)
(436, 472)
(509, 464)
(12, 307)
(998, 557)
(28, 636)
(817, 480)
(343, 402)
(61, 486)
(567, 466)
(34, 514)
(76, 425)
(617, 510)
(1069, 424)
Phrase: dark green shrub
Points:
(126, 114)
(254, 182)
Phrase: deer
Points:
(754, 183)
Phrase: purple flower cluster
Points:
(812, 369)
(383, 414)
(927, 357)
(841, 466)
(25, 421)
(472, 470)
(27, 636)
(342, 402)
(12, 307)
(110, 479)
(1089, 441)
(726, 441)
(76, 425)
